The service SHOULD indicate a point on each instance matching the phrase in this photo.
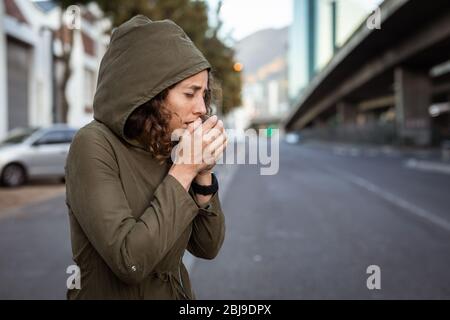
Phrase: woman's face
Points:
(186, 100)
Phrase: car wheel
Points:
(13, 175)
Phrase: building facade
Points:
(319, 28)
(31, 68)
(27, 42)
(3, 79)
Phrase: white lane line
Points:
(225, 175)
(425, 165)
(391, 198)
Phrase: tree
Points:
(192, 16)
(65, 35)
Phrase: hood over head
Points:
(144, 57)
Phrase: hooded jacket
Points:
(130, 221)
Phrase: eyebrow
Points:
(195, 87)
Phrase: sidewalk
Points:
(12, 199)
(427, 159)
(431, 153)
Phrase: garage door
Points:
(19, 59)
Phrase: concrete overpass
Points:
(391, 67)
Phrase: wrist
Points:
(206, 187)
(183, 175)
(204, 178)
(204, 172)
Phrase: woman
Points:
(132, 212)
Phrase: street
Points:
(309, 232)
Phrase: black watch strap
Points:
(206, 190)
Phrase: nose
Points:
(200, 107)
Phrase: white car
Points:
(28, 153)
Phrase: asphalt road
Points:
(309, 232)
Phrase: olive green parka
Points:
(130, 221)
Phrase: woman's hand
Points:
(215, 141)
(200, 146)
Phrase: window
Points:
(18, 135)
(57, 137)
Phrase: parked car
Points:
(28, 153)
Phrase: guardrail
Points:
(374, 134)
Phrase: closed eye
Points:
(190, 95)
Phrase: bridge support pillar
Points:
(347, 113)
(412, 102)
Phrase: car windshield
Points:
(18, 136)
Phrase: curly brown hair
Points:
(149, 123)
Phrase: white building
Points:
(3, 87)
(30, 70)
(89, 45)
(27, 43)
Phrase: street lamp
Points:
(238, 67)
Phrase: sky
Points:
(243, 17)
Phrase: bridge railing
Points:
(376, 133)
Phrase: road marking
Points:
(391, 198)
(427, 166)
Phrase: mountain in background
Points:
(261, 47)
